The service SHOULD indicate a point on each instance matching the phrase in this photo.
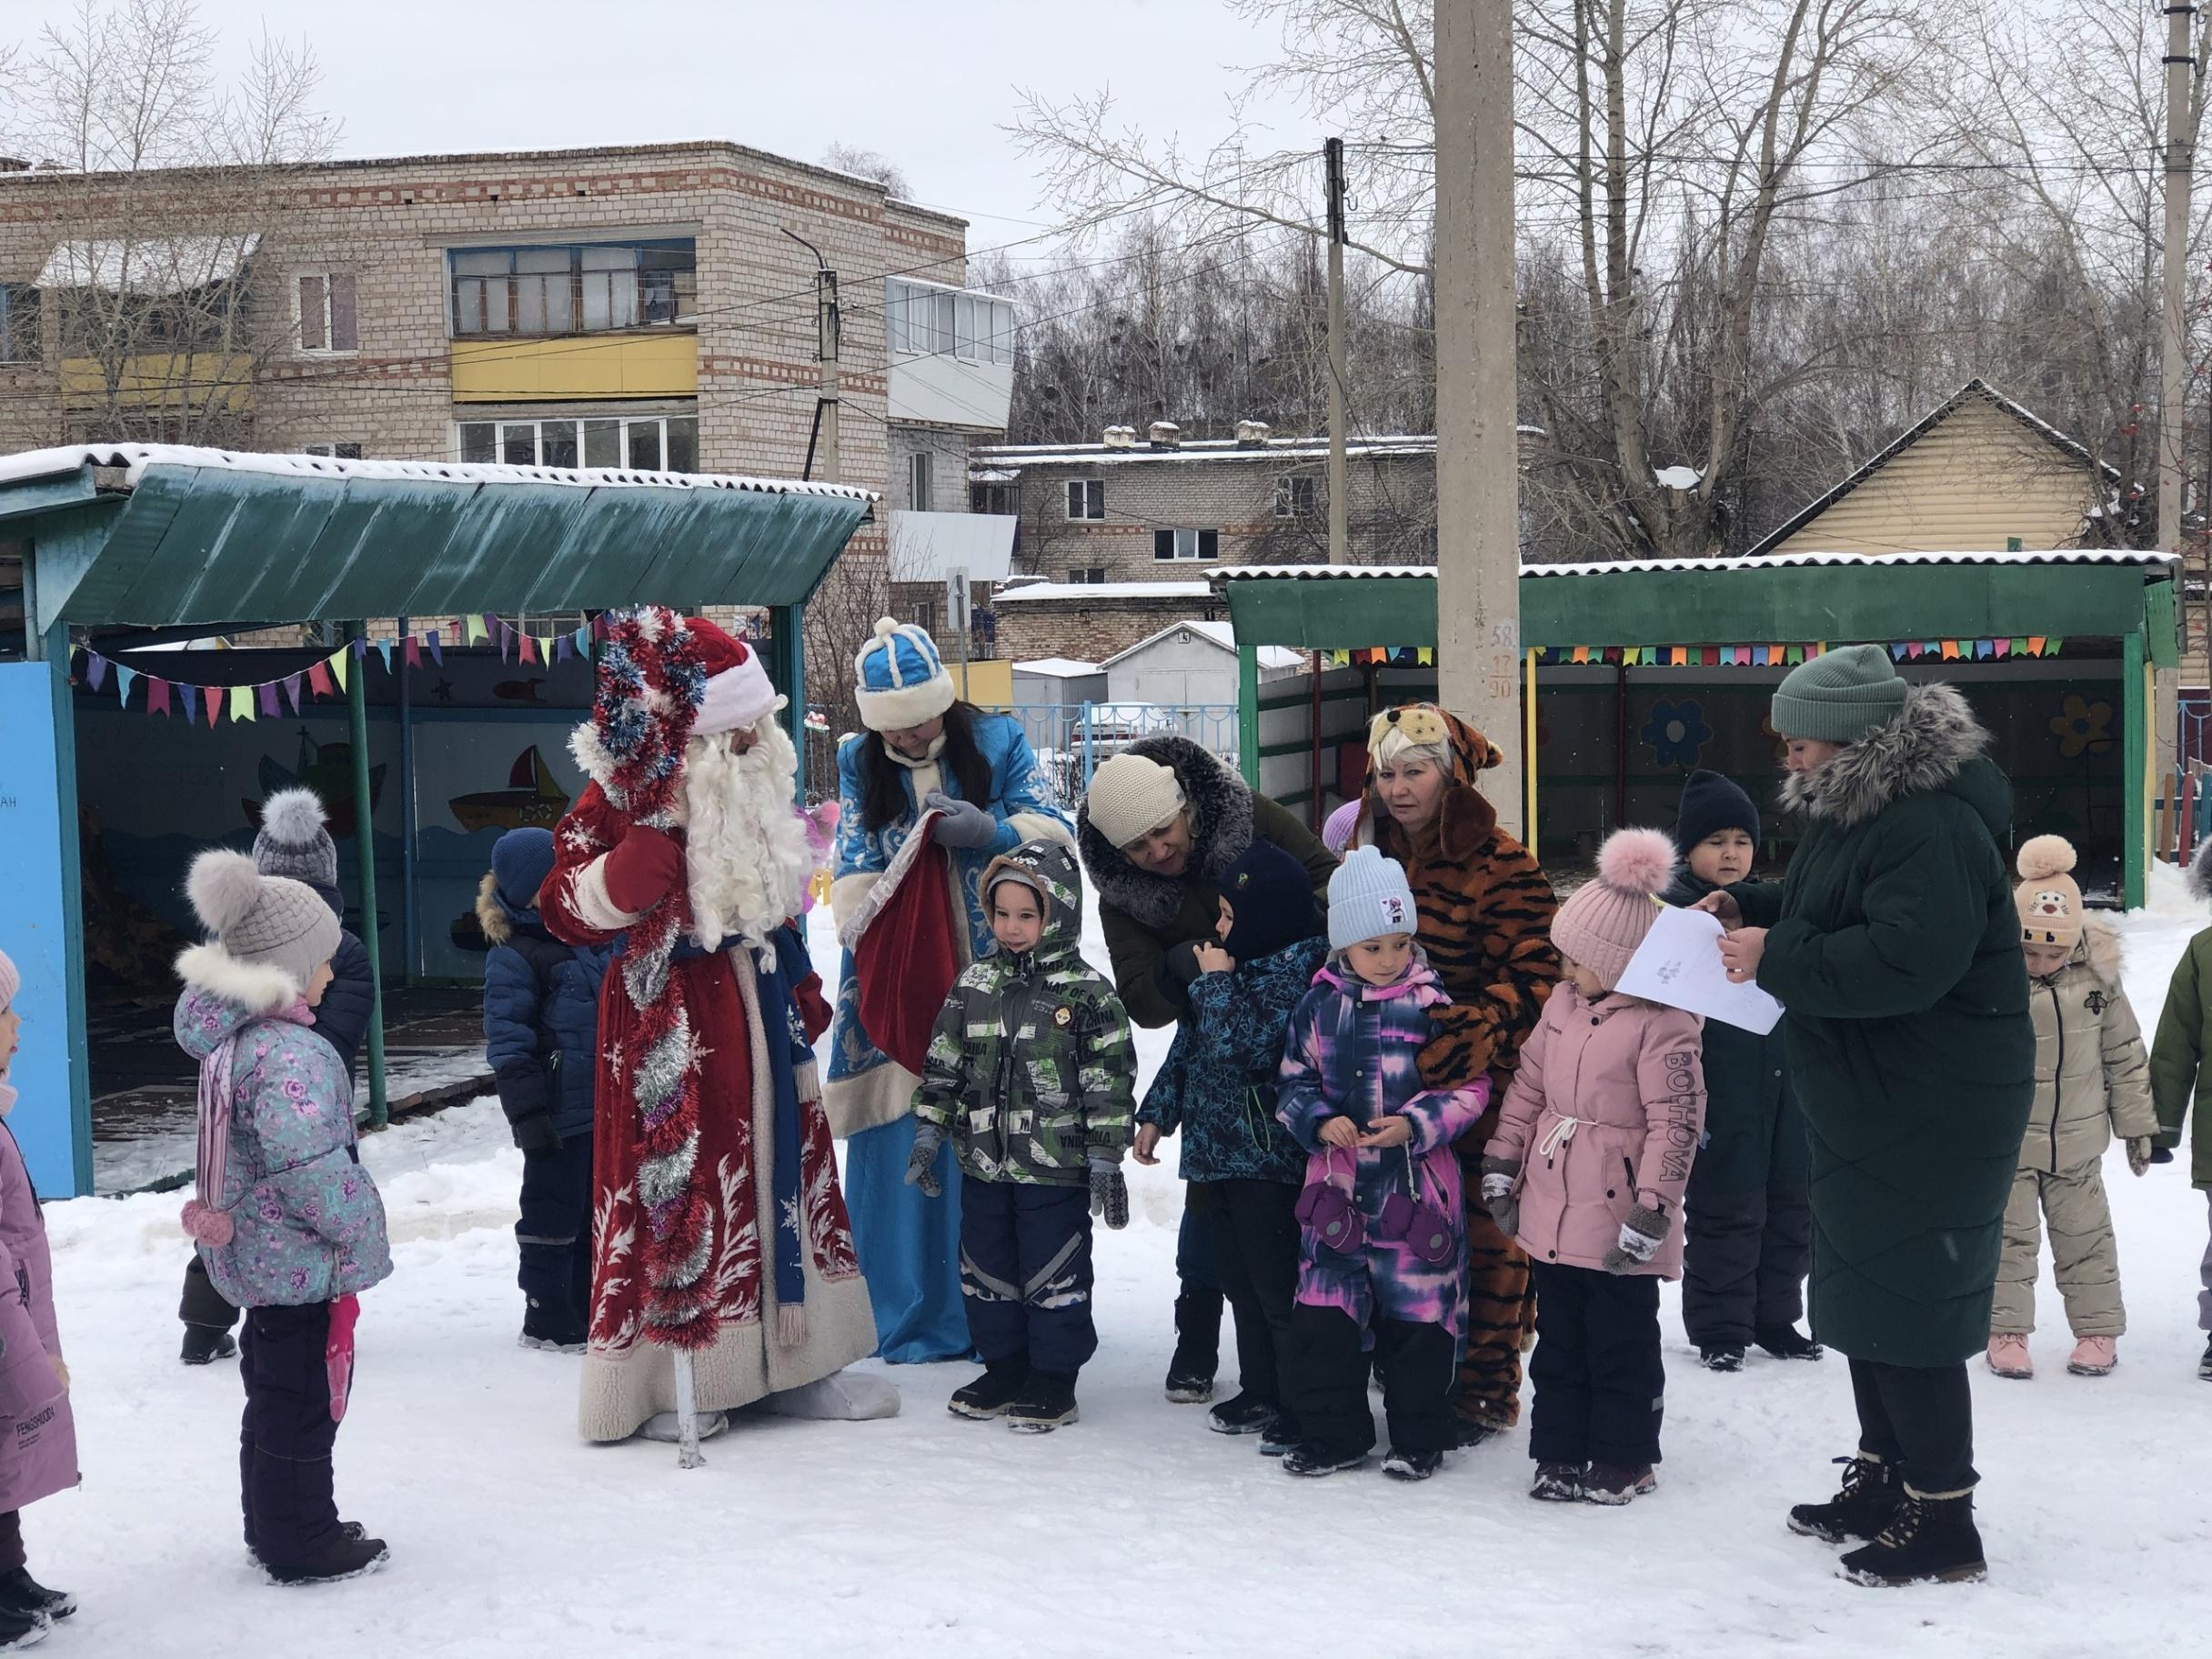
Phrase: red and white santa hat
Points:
(738, 690)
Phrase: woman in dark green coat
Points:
(1894, 944)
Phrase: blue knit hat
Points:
(1711, 803)
(899, 677)
(1369, 897)
(521, 859)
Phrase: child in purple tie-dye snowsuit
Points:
(1383, 1256)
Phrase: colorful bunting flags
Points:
(123, 684)
(529, 649)
(190, 697)
(437, 651)
(157, 698)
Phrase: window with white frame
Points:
(1293, 497)
(336, 451)
(1186, 544)
(644, 443)
(920, 319)
(918, 481)
(1087, 498)
(330, 319)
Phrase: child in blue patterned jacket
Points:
(1217, 1087)
(287, 1221)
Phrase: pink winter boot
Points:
(2008, 1357)
(2094, 1356)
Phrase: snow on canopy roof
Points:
(1222, 634)
(146, 265)
(1057, 667)
(134, 460)
(1104, 592)
(1767, 561)
(1002, 456)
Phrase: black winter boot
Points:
(2204, 1366)
(1557, 1483)
(204, 1345)
(21, 1593)
(1046, 1401)
(1614, 1485)
(1197, 1347)
(993, 1393)
(1721, 1356)
(343, 1558)
(1245, 1415)
(1411, 1465)
(1789, 1343)
(18, 1630)
(1861, 1507)
(1313, 1459)
(1928, 1541)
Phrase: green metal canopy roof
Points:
(1809, 597)
(169, 536)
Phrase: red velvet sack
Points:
(909, 955)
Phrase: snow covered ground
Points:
(1135, 1532)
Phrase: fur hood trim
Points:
(491, 915)
(255, 987)
(1924, 748)
(1221, 830)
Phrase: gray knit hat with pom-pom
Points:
(295, 840)
(272, 920)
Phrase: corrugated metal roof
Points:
(1717, 566)
(208, 536)
(1103, 593)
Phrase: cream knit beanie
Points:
(1130, 797)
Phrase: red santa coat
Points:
(755, 1348)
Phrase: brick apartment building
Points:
(638, 306)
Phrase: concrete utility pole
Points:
(1478, 507)
(2173, 366)
(828, 328)
(1339, 503)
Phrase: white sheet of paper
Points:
(1679, 964)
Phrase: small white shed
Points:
(1057, 680)
(1190, 663)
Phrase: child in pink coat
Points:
(1586, 1171)
(37, 1432)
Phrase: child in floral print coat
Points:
(288, 1223)
(1384, 1259)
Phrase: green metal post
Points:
(1248, 713)
(2133, 760)
(787, 668)
(364, 847)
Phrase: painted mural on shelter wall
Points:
(489, 752)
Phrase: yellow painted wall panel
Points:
(1976, 481)
(660, 364)
(155, 378)
(988, 685)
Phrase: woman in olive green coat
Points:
(1894, 944)
(2181, 1082)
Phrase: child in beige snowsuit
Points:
(2092, 1082)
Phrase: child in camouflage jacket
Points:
(1032, 1072)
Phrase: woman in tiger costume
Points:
(1486, 925)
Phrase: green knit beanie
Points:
(1839, 696)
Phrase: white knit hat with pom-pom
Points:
(2048, 900)
(1601, 923)
(261, 920)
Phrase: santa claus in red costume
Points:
(718, 1229)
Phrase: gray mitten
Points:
(928, 1138)
(1499, 1174)
(1109, 1192)
(1641, 1235)
(964, 823)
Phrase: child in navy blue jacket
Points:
(541, 1002)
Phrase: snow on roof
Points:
(1277, 450)
(1104, 592)
(134, 460)
(147, 264)
(1768, 561)
(990, 475)
(1057, 667)
(1222, 634)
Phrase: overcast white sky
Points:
(928, 85)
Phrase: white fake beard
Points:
(746, 853)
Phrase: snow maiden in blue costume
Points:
(923, 750)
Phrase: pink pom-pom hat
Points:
(1601, 923)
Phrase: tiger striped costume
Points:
(1486, 913)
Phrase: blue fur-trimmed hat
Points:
(899, 677)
